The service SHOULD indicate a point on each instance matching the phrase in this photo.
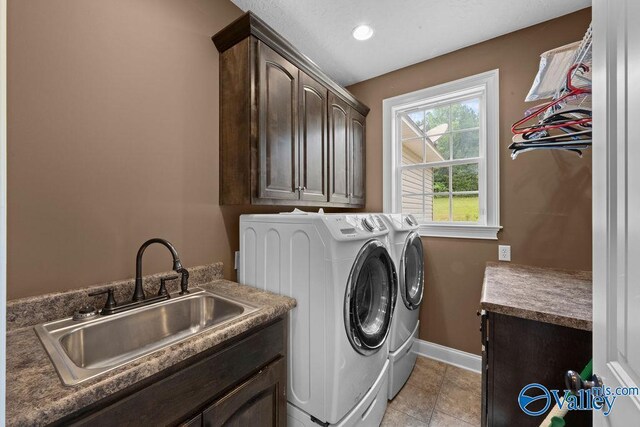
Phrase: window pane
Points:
(465, 177)
(417, 118)
(437, 120)
(440, 207)
(412, 151)
(414, 181)
(466, 208)
(440, 180)
(409, 130)
(438, 148)
(465, 114)
(466, 144)
(414, 205)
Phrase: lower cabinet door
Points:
(193, 422)
(259, 401)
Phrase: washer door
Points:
(370, 298)
(412, 272)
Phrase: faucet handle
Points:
(163, 288)
(184, 282)
(110, 304)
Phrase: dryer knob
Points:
(368, 224)
(411, 220)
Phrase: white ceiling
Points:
(406, 31)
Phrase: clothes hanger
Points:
(572, 91)
(567, 114)
(560, 108)
(579, 131)
(585, 143)
(542, 134)
(520, 138)
(516, 152)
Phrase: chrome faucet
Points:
(138, 292)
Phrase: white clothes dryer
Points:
(408, 256)
(339, 270)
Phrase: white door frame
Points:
(3, 201)
(615, 230)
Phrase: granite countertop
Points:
(560, 297)
(36, 396)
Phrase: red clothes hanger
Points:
(572, 91)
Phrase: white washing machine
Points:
(408, 256)
(341, 273)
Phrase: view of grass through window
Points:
(438, 183)
(465, 208)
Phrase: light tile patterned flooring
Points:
(436, 395)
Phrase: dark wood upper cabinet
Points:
(278, 127)
(289, 135)
(346, 154)
(357, 148)
(313, 142)
(339, 150)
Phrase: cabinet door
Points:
(313, 140)
(357, 159)
(522, 352)
(339, 153)
(196, 421)
(260, 401)
(278, 126)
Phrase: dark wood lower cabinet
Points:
(518, 352)
(260, 401)
(238, 383)
(193, 422)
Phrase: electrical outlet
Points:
(236, 261)
(504, 253)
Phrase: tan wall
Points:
(113, 139)
(545, 200)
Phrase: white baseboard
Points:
(449, 355)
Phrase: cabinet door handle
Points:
(574, 382)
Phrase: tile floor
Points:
(436, 395)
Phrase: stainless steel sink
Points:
(81, 350)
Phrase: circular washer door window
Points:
(412, 272)
(370, 298)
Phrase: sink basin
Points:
(81, 350)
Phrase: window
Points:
(441, 157)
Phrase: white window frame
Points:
(486, 84)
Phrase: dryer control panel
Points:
(401, 222)
(355, 226)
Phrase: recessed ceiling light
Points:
(362, 32)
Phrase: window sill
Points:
(460, 231)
